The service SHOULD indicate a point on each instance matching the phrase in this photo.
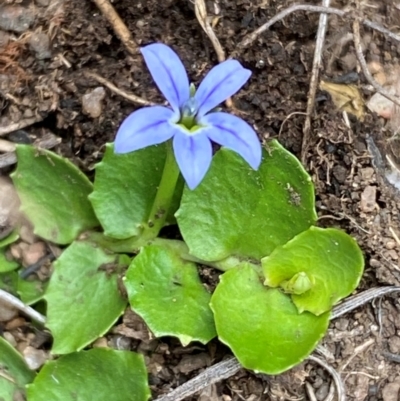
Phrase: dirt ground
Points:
(43, 62)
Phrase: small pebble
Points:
(7, 312)
(322, 392)
(368, 198)
(391, 391)
(340, 173)
(28, 113)
(4, 38)
(318, 382)
(22, 345)
(393, 254)
(92, 102)
(375, 67)
(394, 344)
(367, 173)
(15, 323)
(16, 18)
(380, 77)
(33, 253)
(26, 233)
(34, 358)
(39, 43)
(381, 105)
(121, 343)
(100, 343)
(10, 338)
(390, 244)
(342, 324)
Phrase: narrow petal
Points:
(145, 127)
(222, 81)
(193, 153)
(168, 73)
(233, 133)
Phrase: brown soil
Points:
(47, 81)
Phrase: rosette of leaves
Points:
(284, 275)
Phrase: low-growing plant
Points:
(247, 210)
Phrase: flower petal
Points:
(168, 73)
(145, 127)
(233, 133)
(193, 153)
(222, 81)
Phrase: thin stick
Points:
(48, 141)
(18, 304)
(251, 37)
(127, 95)
(287, 119)
(20, 125)
(319, 44)
(118, 25)
(310, 392)
(331, 393)
(362, 298)
(356, 351)
(202, 17)
(214, 374)
(363, 64)
(395, 236)
(335, 375)
(6, 146)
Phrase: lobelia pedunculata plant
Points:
(247, 211)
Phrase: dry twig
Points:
(118, 25)
(361, 348)
(48, 141)
(128, 96)
(323, 19)
(251, 37)
(6, 146)
(202, 17)
(20, 125)
(214, 374)
(310, 392)
(341, 396)
(363, 64)
(18, 304)
(362, 298)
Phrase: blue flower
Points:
(191, 120)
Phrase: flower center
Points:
(188, 113)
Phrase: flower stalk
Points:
(163, 199)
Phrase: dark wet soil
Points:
(42, 76)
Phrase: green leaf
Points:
(5, 264)
(53, 194)
(9, 282)
(330, 258)
(98, 374)
(125, 186)
(30, 291)
(167, 293)
(261, 325)
(83, 300)
(14, 374)
(9, 239)
(242, 212)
